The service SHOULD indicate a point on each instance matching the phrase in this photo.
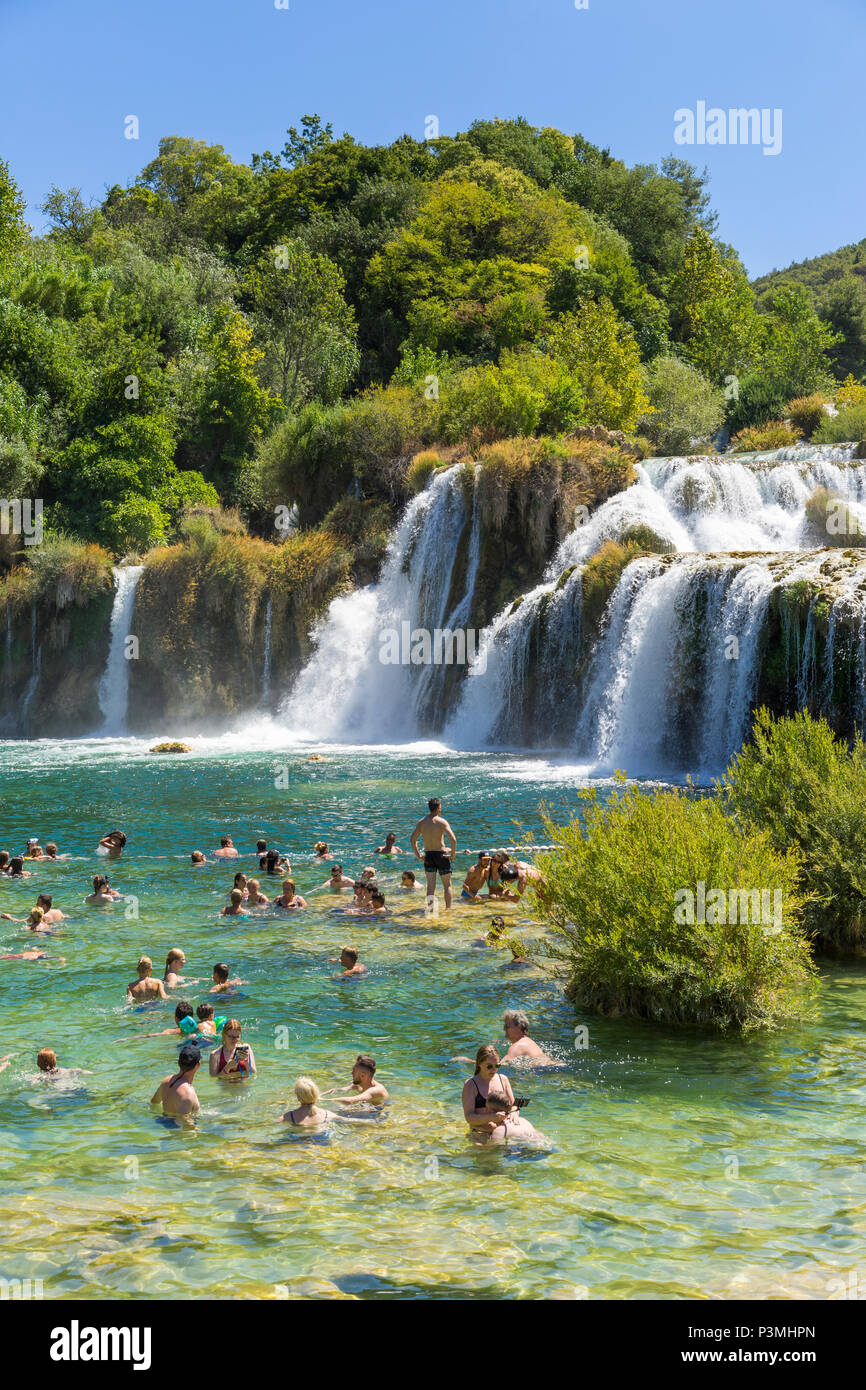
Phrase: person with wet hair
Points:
(176, 1094)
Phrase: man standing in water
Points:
(176, 1093)
(434, 830)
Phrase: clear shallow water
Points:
(678, 1165)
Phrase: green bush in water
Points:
(625, 905)
(848, 427)
(807, 412)
(803, 786)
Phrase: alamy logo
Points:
(737, 126)
(76, 1343)
(756, 906)
(442, 647)
(22, 517)
(21, 1288)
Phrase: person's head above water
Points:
(272, 859)
(35, 916)
(51, 850)
(434, 805)
(46, 1060)
(225, 841)
(220, 974)
(407, 876)
(515, 1021)
(288, 887)
(189, 1057)
(44, 900)
(486, 1060)
(175, 957)
(99, 882)
(508, 873)
(183, 1010)
(307, 1091)
(197, 857)
(377, 897)
(4, 858)
(364, 1068)
(145, 967)
(240, 880)
(336, 871)
(237, 897)
(368, 873)
(261, 846)
(204, 1012)
(321, 847)
(16, 864)
(348, 956)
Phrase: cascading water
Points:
(266, 669)
(114, 685)
(362, 683)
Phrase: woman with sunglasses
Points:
(235, 1060)
(489, 1105)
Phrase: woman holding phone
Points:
(491, 1111)
(235, 1060)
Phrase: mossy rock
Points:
(171, 748)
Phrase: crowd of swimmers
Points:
(492, 1111)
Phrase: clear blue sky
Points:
(238, 72)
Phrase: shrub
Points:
(851, 392)
(600, 350)
(848, 426)
(525, 393)
(687, 409)
(801, 785)
(602, 573)
(758, 439)
(421, 469)
(806, 413)
(832, 519)
(757, 399)
(621, 886)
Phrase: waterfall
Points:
(32, 684)
(8, 643)
(114, 685)
(266, 672)
(362, 683)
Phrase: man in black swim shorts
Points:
(434, 830)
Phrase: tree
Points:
(792, 343)
(304, 323)
(687, 409)
(602, 353)
(712, 311)
(13, 228)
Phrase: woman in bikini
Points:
(488, 1103)
(235, 1060)
(309, 1114)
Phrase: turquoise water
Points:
(676, 1164)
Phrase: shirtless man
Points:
(352, 967)
(409, 883)
(520, 1044)
(221, 981)
(43, 905)
(174, 961)
(475, 879)
(338, 881)
(390, 846)
(145, 987)
(377, 903)
(176, 1093)
(234, 908)
(365, 1089)
(434, 830)
(50, 913)
(227, 849)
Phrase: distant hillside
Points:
(837, 284)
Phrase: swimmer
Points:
(434, 830)
(289, 898)
(102, 894)
(221, 981)
(34, 850)
(521, 1046)
(51, 855)
(47, 914)
(4, 861)
(197, 858)
(322, 849)
(360, 906)
(174, 961)
(488, 1103)
(352, 967)
(36, 922)
(235, 1060)
(377, 903)
(261, 848)
(206, 1025)
(145, 987)
(52, 914)
(241, 882)
(390, 846)
(234, 908)
(31, 955)
(186, 1025)
(227, 849)
(365, 1089)
(274, 863)
(493, 935)
(255, 896)
(338, 881)
(368, 875)
(46, 1061)
(309, 1114)
(409, 883)
(475, 879)
(176, 1093)
(16, 867)
(114, 843)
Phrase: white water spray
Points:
(114, 685)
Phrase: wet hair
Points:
(390, 836)
(321, 846)
(289, 883)
(362, 1060)
(261, 846)
(351, 953)
(144, 963)
(50, 848)
(222, 973)
(272, 860)
(434, 805)
(225, 840)
(117, 835)
(237, 896)
(174, 954)
(204, 1011)
(508, 873)
(197, 857)
(44, 900)
(46, 1060)
(16, 864)
(517, 1017)
(378, 897)
(407, 873)
(487, 1053)
(370, 871)
(183, 1010)
(306, 1090)
(188, 1057)
(99, 881)
(238, 875)
(234, 1024)
(36, 915)
(4, 858)
(336, 869)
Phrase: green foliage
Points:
(806, 413)
(775, 434)
(603, 572)
(849, 426)
(712, 311)
(602, 354)
(617, 887)
(525, 394)
(687, 410)
(13, 228)
(756, 400)
(796, 782)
